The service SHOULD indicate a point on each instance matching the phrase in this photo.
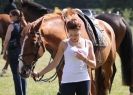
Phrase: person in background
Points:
(10, 6)
(12, 49)
(79, 57)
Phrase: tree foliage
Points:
(104, 4)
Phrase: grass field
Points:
(41, 88)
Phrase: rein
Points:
(54, 76)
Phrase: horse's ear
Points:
(57, 10)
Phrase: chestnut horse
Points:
(42, 36)
(119, 26)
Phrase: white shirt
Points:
(75, 70)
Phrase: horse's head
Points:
(33, 47)
(33, 10)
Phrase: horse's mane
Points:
(35, 7)
(58, 13)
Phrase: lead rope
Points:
(54, 76)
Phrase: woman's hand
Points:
(80, 55)
(35, 75)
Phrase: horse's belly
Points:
(102, 54)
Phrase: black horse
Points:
(32, 10)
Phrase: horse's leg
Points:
(100, 78)
(112, 78)
(92, 85)
(104, 74)
(2, 46)
(2, 36)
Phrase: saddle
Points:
(95, 33)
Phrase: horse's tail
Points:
(126, 55)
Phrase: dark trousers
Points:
(80, 88)
(19, 83)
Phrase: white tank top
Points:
(75, 70)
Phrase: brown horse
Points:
(42, 36)
(119, 26)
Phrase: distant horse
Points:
(42, 36)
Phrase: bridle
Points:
(38, 44)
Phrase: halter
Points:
(38, 44)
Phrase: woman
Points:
(12, 49)
(10, 6)
(79, 55)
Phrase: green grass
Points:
(42, 88)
